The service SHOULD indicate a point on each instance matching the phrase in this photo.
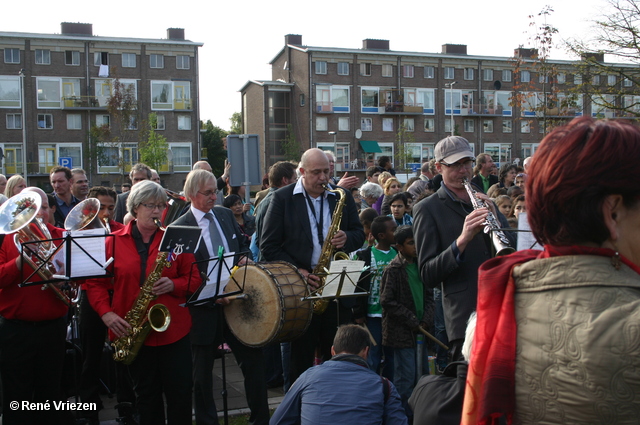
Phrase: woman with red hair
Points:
(558, 333)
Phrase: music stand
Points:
(220, 272)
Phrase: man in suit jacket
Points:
(483, 178)
(297, 221)
(138, 173)
(208, 328)
(450, 240)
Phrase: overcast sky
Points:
(241, 37)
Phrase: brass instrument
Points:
(175, 204)
(498, 238)
(143, 318)
(19, 215)
(327, 255)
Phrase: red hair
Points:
(575, 168)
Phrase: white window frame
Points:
(48, 121)
(102, 120)
(167, 104)
(487, 126)
(525, 127)
(449, 72)
(74, 122)
(595, 80)
(160, 122)
(611, 80)
(321, 67)
(97, 58)
(14, 121)
(343, 68)
(365, 69)
(529, 149)
(577, 79)
(183, 62)
(500, 152)
(427, 98)
(420, 152)
(469, 74)
(43, 56)
(429, 125)
(366, 124)
(335, 106)
(487, 74)
(387, 124)
(370, 109)
(184, 122)
(627, 82)
(49, 99)
(507, 75)
(561, 78)
(409, 125)
(387, 70)
(408, 71)
(507, 126)
(429, 71)
(469, 126)
(43, 148)
(12, 54)
(322, 124)
(156, 61)
(525, 76)
(10, 92)
(132, 152)
(74, 56)
(129, 60)
(344, 123)
(447, 125)
(186, 166)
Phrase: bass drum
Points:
(273, 309)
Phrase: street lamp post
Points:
(451, 104)
(24, 128)
(335, 151)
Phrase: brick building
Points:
(374, 101)
(68, 78)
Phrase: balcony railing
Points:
(82, 102)
(399, 107)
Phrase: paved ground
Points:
(237, 403)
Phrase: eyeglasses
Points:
(456, 166)
(208, 193)
(154, 206)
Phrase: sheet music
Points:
(81, 263)
(354, 270)
(209, 290)
(526, 240)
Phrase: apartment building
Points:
(55, 87)
(368, 102)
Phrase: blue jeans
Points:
(405, 367)
(376, 353)
(440, 331)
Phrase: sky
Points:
(241, 37)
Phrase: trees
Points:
(153, 147)
(616, 34)
(291, 148)
(236, 123)
(213, 143)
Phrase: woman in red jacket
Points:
(163, 364)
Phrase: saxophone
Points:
(142, 318)
(326, 254)
(500, 241)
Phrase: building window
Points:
(487, 74)
(72, 58)
(468, 73)
(302, 99)
(156, 61)
(409, 124)
(429, 72)
(14, 121)
(507, 126)
(525, 76)
(469, 126)
(184, 122)
(321, 124)
(10, 92)
(611, 80)
(43, 57)
(447, 125)
(365, 69)
(167, 95)
(133, 123)
(407, 71)
(49, 95)
(577, 79)
(128, 60)
(387, 124)
(343, 124)
(321, 67)
(449, 72)
(506, 75)
(11, 55)
(627, 82)
(561, 78)
(595, 80)
(543, 79)
(429, 125)
(525, 126)
(366, 124)
(103, 121)
(160, 122)
(100, 58)
(387, 70)
(45, 121)
(343, 68)
(74, 122)
(181, 156)
(487, 126)
(183, 62)
(48, 155)
(369, 99)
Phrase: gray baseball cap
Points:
(452, 149)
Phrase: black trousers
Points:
(320, 333)
(159, 371)
(252, 364)
(31, 364)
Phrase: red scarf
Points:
(490, 388)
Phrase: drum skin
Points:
(273, 309)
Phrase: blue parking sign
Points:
(65, 161)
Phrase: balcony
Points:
(401, 108)
(82, 103)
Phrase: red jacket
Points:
(30, 303)
(126, 285)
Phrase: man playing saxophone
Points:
(162, 366)
(295, 227)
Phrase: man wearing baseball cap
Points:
(450, 240)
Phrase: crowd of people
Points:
(532, 337)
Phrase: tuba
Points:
(498, 238)
(19, 216)
(326, 255)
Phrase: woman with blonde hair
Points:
(15, 185)
(391, 187)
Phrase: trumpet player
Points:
(450, 239)
(32, 335)
(162, 368)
